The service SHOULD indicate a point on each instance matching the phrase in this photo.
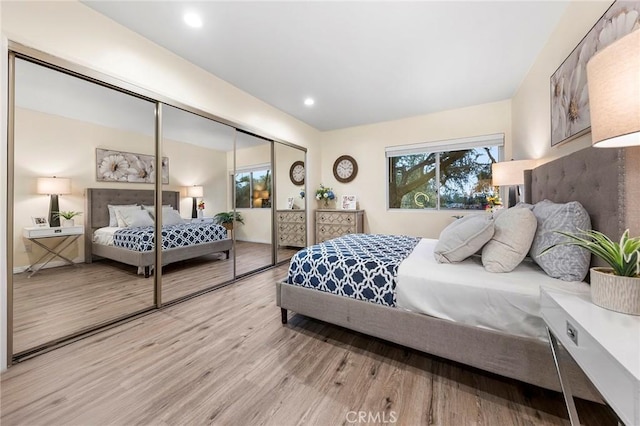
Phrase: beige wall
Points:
(50, 145)
(367, 145)
(531, 102)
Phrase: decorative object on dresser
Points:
(325, 195)
(349, 202)
(570, 100)
(194, 192)
(616, 288)
(40, 221)
(296, 173)
(345, 169)
(335, 223)
(53, 187)
(291, 228)
(117, 166)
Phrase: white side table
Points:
(67, 234)
(606, 346)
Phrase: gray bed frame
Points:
(97, 216)
(605, 181)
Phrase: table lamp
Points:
(195, 191)
(53, 187)
(511, 173)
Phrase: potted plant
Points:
(66, 217)
(616, 288)
(226, 219)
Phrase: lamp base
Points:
(54, 210)
(194, 210)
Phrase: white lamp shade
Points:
(195, 191)
(613, 76)
(54, 185)
(510, 172)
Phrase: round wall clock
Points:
(296, 173)
(345, 169)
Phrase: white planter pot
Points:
(67, 222)
(620, 294)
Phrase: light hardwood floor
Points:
(57, 302)
(224, 358)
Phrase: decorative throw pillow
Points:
(113, 220)
(514, 232)
(463, 237)
(152, 209)
(171, 217)
(568, 263)
(131, 218)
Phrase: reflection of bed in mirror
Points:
(97, 217)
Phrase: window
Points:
(449, 175)
(253, 188)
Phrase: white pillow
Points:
(514, 232)
(463, 237)
(131, 218)
(171, 217)
(113, 220)
(152, 209)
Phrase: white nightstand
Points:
(606, 346)
(67, 234)
(202, 220)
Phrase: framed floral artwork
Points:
(570, 115)
(117, 166)
(348, 202)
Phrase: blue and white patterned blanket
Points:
(360, 266)
(184, 234)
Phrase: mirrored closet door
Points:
(199, 252)
(252, 203)
(79, 148)
(291, 229)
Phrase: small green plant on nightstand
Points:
(69, 214)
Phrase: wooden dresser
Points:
(335, 223)
(291, 228)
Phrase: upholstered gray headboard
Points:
(97, 199)
(605, 181)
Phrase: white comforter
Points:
(465, 292)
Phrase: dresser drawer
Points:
(295, 217)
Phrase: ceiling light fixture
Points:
(309, 102)
(193, 20)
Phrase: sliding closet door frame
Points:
(157, 224)
(11, 113)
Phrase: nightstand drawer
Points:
(615, 382)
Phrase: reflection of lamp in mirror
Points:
(265, 198)
(511, 173)
(194, 192)
(613, 76)
(53, 187)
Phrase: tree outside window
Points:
(253, 189)
(459, 179)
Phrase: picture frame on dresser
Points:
(348, 202)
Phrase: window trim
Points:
(437, 147)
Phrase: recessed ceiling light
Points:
(309, 102)
(193, 20)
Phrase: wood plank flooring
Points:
(57, 302)
(224, 358)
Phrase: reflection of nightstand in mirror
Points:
(202, 220)
(67, 236)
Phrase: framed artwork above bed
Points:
(118, 166)
(570, 113)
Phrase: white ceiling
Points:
(362, 62)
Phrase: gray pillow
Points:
(568, 263)
(463, 237)
(113, 220)
(132, 218)
(514, 232)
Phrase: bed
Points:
(97, 218)
(610, 195)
